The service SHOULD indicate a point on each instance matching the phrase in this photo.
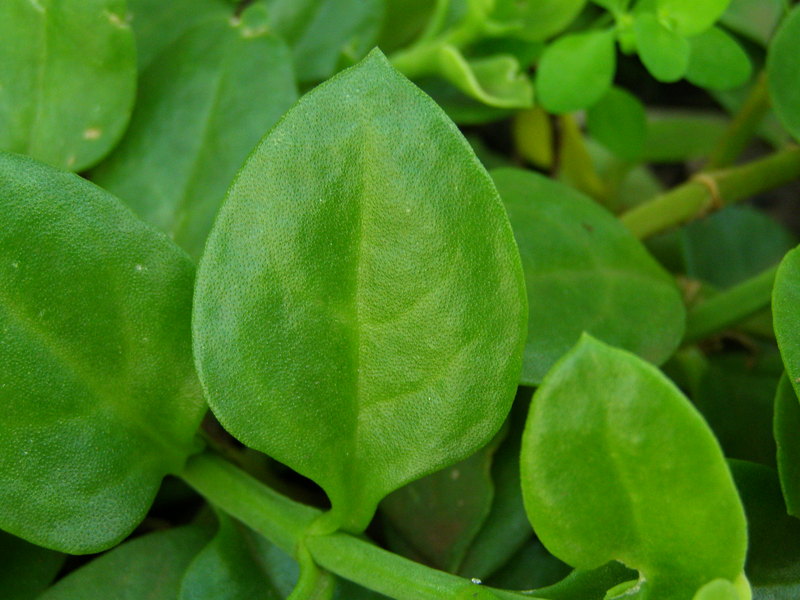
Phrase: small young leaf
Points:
(25, 569)
(618, 121)
(496, 80)
(585, 272)
(719, 589)
(617, 465)
(211, 96)
(384, 277)
(576, 71)
(664, 52)
(783, 72)
(690, 17)
(717, 61)
(148, 567)
(787, 437)
(68, 73)
(238, 564)
(99, 399)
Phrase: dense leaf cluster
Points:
(426, 379)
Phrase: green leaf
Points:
(618, 121)
(773, 554)
(664, 52)
(787, 437)
(325, 33)
(646, 482)
(506, 528)
(439, 515)
(736, 395)
(210, 96)
(539, 19)
(404, 21)
(99, 399)
(495, 80)
(585, 272)
(785, 300)
(576, 71)
(690, 17)
(717, 61)
(731, 245)
(149, 567)
(754, 19)
(783, 72)
(65, 96)
(388, 279)
(158, 24)
(238, 564)
(25, 569)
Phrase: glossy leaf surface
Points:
(717, 61)
(65, 97)
(386, 286)
(238, 564)
(147, 568)
(25, 569)
(585, 272)
(99, 398)
(690, 17)
(203, 105)
(663, 51)
(576, 71)
(787, 438)
(641, 479)
(783, 72)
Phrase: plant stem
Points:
(731, 306)
(741, 129)
(710, 191)
(276, 517)
(286, 523)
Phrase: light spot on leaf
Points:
(92, 133)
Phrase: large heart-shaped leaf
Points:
(67, 78)
(210, 96)
(98, 398)
(585, 272)
(618, 465)
(360, 308)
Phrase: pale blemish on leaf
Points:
(92, 133)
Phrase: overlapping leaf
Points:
(98, 398)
